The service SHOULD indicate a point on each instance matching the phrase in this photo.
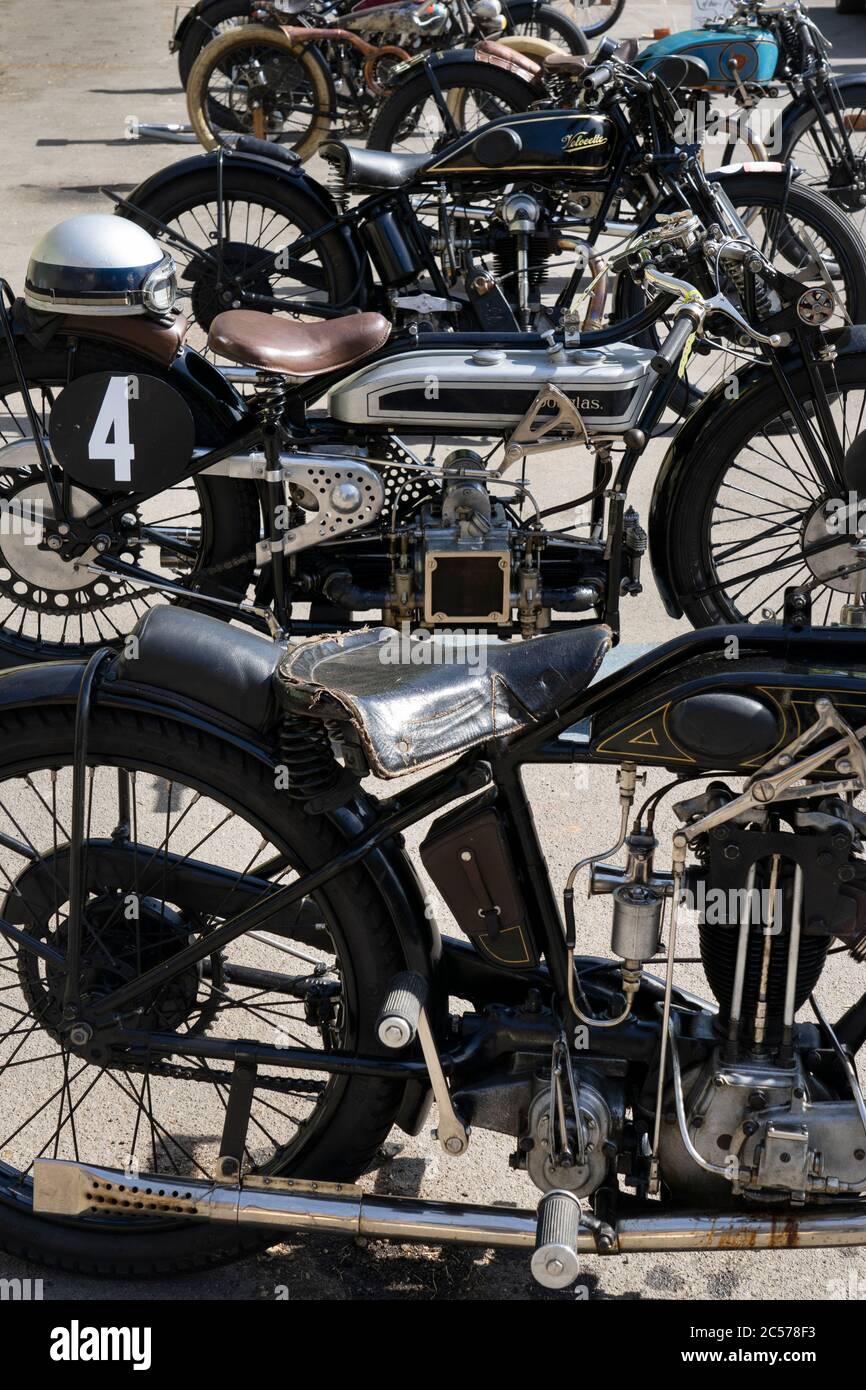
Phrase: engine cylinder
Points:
(719, 954)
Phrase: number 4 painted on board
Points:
(114, 417)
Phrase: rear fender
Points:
(275, 169)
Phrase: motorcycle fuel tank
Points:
(537, 142)
(489, 390)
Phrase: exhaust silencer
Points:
(62, 1188)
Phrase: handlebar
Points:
(686, 323)
(598, 78)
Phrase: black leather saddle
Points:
(409, 714)
(371, 169)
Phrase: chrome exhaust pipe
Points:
(62, 1188)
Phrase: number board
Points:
(122, 433)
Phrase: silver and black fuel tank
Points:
(485, 390)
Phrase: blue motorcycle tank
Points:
(742, 51)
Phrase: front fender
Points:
(182, 29)
(710, 421)
(59, 682)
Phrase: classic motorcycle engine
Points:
(462, 564)
(763, 1114)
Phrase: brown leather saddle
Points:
(299, 350)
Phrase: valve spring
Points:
(306, 752)
(762, 298)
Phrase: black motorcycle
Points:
(225, 983)
(258, 507)
(498, 232)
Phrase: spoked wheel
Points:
(806, 144)
(597, 16)
(260, 218)
(811, 241)
(475, 93)
(49, 608)
(757, 514)
(533, 20)
(254, 80)
(181, 833)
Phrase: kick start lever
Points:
(402, 1018)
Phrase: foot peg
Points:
(397, 1025)
(402, 1018)
(554, 1261)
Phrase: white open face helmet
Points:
(99, 264)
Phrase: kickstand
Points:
(234, 1137)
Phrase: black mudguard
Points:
(276, 168)
(58, 683)
(710, 421)
(186, 22)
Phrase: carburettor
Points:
(466, 564)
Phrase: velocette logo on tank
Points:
(581, 140)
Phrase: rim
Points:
(260, 89)
(44, 613)
(54, 1103)
(770, 523)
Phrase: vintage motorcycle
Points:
(752, 57)
(289, 81)
(153, 477)
(473, 238)
(210, 19)
(225, 984)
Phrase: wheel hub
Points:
(825, 523)
(208, 295)
(33, 576)
(844, 193)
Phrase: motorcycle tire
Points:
(504, 90)
(348, 1121)
(216, 19)
(209, 116)
(530, 19)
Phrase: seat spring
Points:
(307, 755)
(270, 398)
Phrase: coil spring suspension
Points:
(762, 298)
(791, 43)
(307, 755)
(270, 398)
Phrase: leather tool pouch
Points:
(466, 855)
